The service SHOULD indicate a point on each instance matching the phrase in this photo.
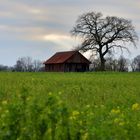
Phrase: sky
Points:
(40, 28)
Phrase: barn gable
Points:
(77, 58)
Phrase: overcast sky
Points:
(39, 28)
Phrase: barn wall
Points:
(67, 67)
(54, 67)
(76, 67)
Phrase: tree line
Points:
(24, 64)
(122, 64)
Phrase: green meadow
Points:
(70, 106)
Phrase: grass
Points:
(69, 106)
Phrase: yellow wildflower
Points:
(136, 106)
(49, 130)
(85, 137)
(49, 93)
(138, 125)
(6, 111)
(102, 106)
(72, 118)
(80, 122)
(3, 116)
(24, 128)
(59, 93)
(87, 106)
(60, 102)
(28, 99)
(115, 111)
(75, 113)
(91, 113)
(19, 95)
(116, 120)
(96, 106)
(4, 102)
(121, 123)
(33, 79)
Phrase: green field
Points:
(70, 106)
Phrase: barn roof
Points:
(60, 57)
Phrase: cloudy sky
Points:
(39, 28)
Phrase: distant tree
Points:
(28, 63)
(111, 64)
(102, 35)
(25, 64)
(109, 61)
(115, 65)
(3, 68)
(95, 65)
(37, 65)
(122, 64)
(19, 65)
(6, 68)
(135, 65)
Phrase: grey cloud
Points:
(26, 21)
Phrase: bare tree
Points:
(25, 64)
(37, 65)
(135, 65)
(4, 68)
(102, 35)
(95, 65)
(110, 64)
(19, 65)
(122, 64)
(115, 65)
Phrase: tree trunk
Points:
(102, 66)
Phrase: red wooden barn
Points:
(70, 61)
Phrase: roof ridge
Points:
(66, 51)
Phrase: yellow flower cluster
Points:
(74, 115)
(4, 102)
(119, 121)
(88, 106)
(85, 136)
(50, 94)
(115, 111)
(135, 107)
(138, 125)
